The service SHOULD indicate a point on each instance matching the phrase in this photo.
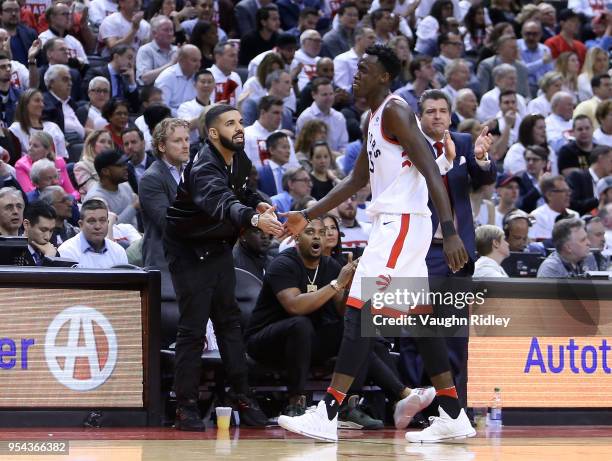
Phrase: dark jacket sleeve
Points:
(154, 199)
(212, 194)
(581, 199)
(529, 197)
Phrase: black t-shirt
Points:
(288, 271)
(572, 156)
(320, 188)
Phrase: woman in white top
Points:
(569, 66)
(28, 118)
(550, 84)
(595, 63)
(255, 87)
(532, 131)
(493, 248)
(99, 93)
(432, 26)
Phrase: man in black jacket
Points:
(583, 182)
(212, 205)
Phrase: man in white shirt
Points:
(177, 81)
(22, 77)
(255, 136)
(278, 84)
(556, 193)
(192, 109)
(321, 109)
(228, 85)
(90, 248)
(465, 104)
(125, 27)
(493, 248)
(58, 18)
(457, 75)
(559, 122)
(354, 234)
(286, 44)
(307, 56)
(99, 9)
(505, 78)
(157, 55)
(345, 64)
(507, 121)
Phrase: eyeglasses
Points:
(67, 13)
(99, 90)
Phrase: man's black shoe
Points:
(250, 413)
(188, 419)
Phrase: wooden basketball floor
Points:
(592, 443)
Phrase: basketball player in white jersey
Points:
(400, 166)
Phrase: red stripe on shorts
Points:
(399, 242)
(354, 302)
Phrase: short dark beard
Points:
(229, 144)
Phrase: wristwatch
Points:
(255, 220)
(335, 286)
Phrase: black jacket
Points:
(528, 194)
(581, 185)
(212, 203)
(53, 110)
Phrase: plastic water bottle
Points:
(495, 417)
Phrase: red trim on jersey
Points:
(399, 242)
(406, 163)
(354, 302)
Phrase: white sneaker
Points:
(443, 428)
(314, 424)
(406, 408)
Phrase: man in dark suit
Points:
(245, 12)
(38, 226)
(272, 171)
(530, 195)
(290, 11)
(57, 52)
(156, 192)
(470, 166)
(22, 36)
(134, 148)
(582, 182)
(120, 73)
(59, 106)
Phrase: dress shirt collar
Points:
(58, 98)
(318, 112)
(86, 246)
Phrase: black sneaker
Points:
(351, 416)
(250, 413)
(296, 409)
(188, 419)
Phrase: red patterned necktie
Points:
(440, 151)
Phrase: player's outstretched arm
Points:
(349, 186)
(399, 122)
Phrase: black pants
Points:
(295, 345)
(205, 289)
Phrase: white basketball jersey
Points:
(397, 186)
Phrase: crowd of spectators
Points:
(90, 157)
